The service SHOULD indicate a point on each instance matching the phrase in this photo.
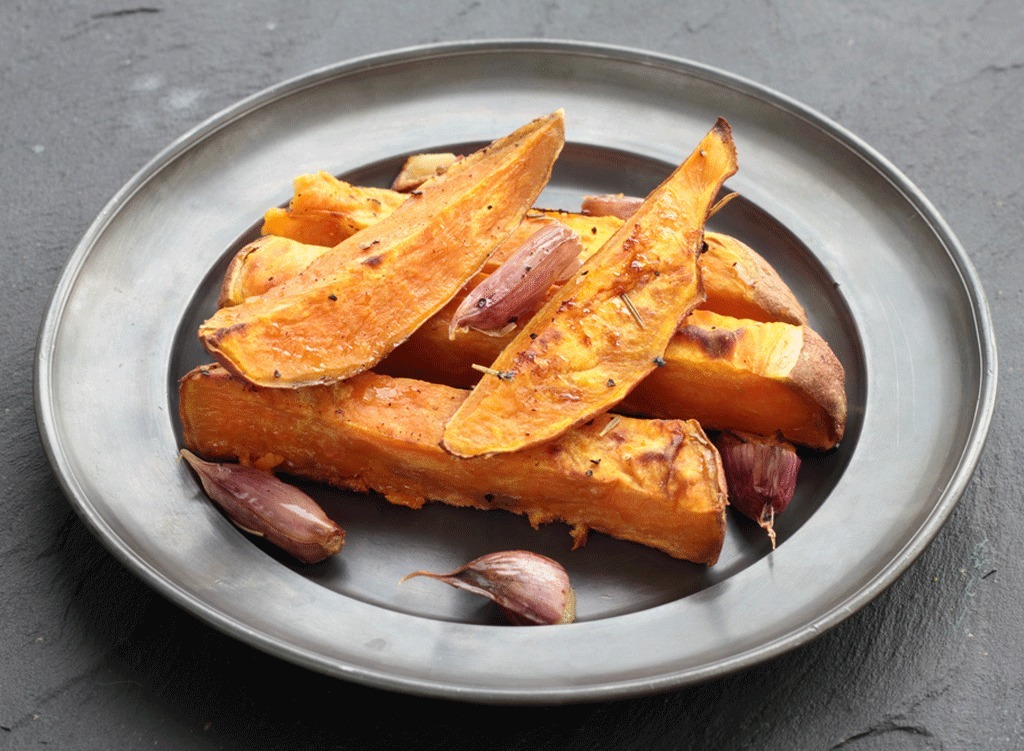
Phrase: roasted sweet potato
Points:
(325, 210)
(265, 263)
(355, 303)
(745, 284)
(606, 328)
(655, 482)
(737, 374)
(781, 377)
(737, 280)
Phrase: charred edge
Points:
(200, 371)
(715, 343)
(722, 129)
(213, 339)
(666, 457)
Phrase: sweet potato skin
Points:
(588, 346)
(655, 482)
(354, 304)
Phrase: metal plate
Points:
(882, 277)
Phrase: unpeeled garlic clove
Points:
(531, 589)
(760, 473)
(612, 204)
(516, 287)
(263, 505)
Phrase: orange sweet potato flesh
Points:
(355, 303)
(325, 210)
(265, 263)
(588, 346)
(655, 482)
(767, 377)
(737, 280)
(745, 285)
(728, 373)
(817, 390)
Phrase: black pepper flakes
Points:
(659, 361)
(277, 374)
(533, 334)
(332, 296)
(611, 383)
(590, 473)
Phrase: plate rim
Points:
(969, 455)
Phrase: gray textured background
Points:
(92, 659)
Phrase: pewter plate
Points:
(882, 277)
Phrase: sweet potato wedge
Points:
(655, 482)
(737, 280)
(754, 387)
(325, 210)
(355, 303)
(607, 327)
(265, 263)
(744, 284)
(736, 374)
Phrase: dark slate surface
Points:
(92, 659)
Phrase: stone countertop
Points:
(91, 658)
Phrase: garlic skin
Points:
(531, 589)
(515, 288)
(613, 204)
(760, 473)
(259, 503)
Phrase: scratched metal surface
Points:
(92, 658)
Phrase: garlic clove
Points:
(614, 204)
(259, 503)
(516, 287)
(760, 473)
(419, 168)
(531, 589)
